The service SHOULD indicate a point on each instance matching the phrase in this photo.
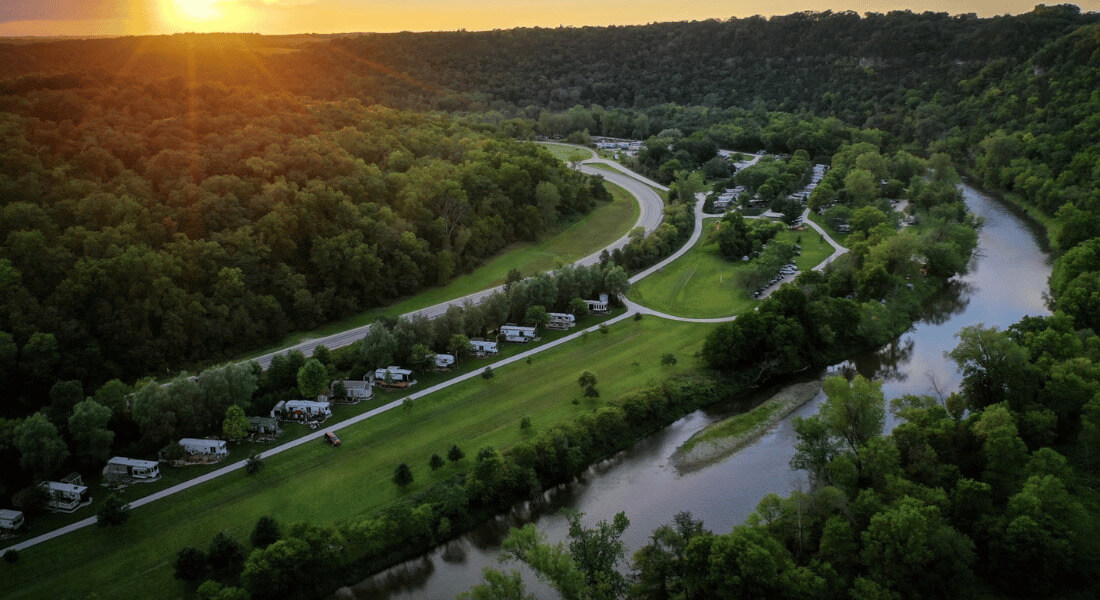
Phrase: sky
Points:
(130, 17)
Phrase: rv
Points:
(518, 333)
(304, 410)
(598, 307)
(444, 361)
(561, 321)
(65, 497)
(394, 376)
(131, 468)
(11, 519)
(204, 447)
(483, 347)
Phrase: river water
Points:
(1007, 280)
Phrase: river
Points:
(1006, 281)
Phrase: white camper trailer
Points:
(65, 497)
(518, 333)
(598, 307)
(197, 447)
(444, 361)
(483, 347)
(394, 376)
(304, 410)
(120, 468)
(561, 321)
(11, 519)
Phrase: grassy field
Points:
(291, 431)
(841, 238)
(324, 485)
(605, 224)
(703, 284)
(562, 152)
(700, 284)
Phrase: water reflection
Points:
(640, 481)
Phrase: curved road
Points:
(649, 218)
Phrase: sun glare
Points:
(197, 10)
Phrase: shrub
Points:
(190, 564)
(487, 373)
(455, 454)
(525, 423)
(436, 462)
(114, 512)
(668, 358)
(253, 464)
(11, 556)
(265, 533)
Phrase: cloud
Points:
(63, 10)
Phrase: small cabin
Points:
(394, 376)
(11, 519)
(196, 447)
(483, 347)
(264, 425)
(444, 361)
(303, 410)
(121, 468)
(357, 389)
(561, 321)
(65, 497)
(518, 333)
(599, 307)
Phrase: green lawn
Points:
(703, 284)
(605, 224)
(291, 431)
(562, 152)
(324, 485)
(700, 284)
(839, 237)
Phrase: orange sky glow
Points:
(135, 17)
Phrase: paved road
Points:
(645, 197)
(652, 207)
(649, 218)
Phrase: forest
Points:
(172, 201)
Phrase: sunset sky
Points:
(122, 17)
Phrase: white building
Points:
(444, 361)
(302, 410)
(11, 519)
(357, 389)
(205, 447)
(132, 468)
(598, 307)
(395, 376)
(561, 321)
(483, 347)
(518, 333)
(65, 497)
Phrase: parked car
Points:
(331, 438)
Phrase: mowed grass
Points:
(291, 431)
(563, 153)
(325, 485)
(700, 284)
(703, 284)
(602, 226)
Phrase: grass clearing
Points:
(321, 484)
(562, 153)
(841, 238)
(605, 224)
(700, 284)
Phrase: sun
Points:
(197, 10)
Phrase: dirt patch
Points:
(719, 440)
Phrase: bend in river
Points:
(1007, 280)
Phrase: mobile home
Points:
(444, 361)
(561, 321)
(131, 468)
(394, 376)
(264, 425)
(11, 519)
(483, 347)
(518, 333)
(304, 410)
(357, 389)
(599, 307)
(209, 447)
(65, 497)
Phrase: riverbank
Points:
(719, 440)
